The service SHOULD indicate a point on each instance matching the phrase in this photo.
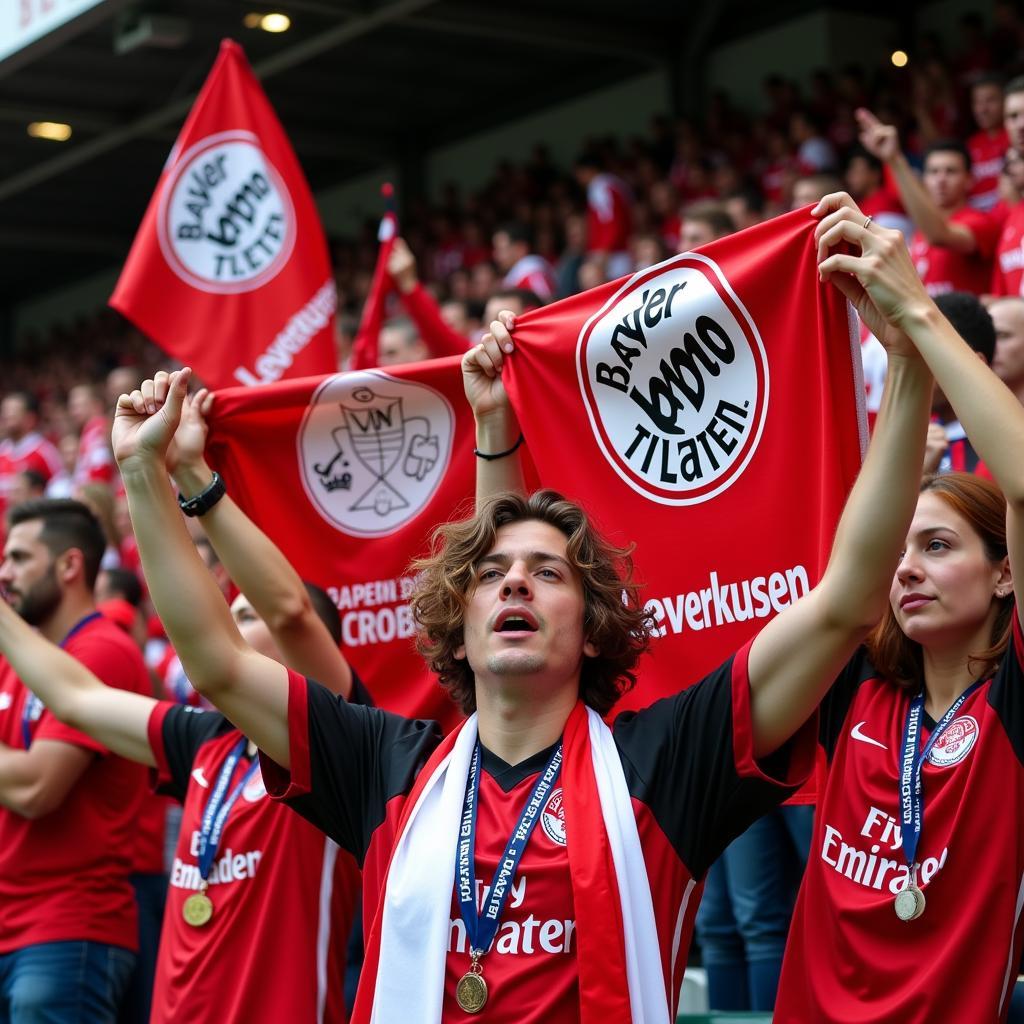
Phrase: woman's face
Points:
(943, 592)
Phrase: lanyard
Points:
(480, 930)
(217, 808)
(33, 705)
(911, 763)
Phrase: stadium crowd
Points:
(935, 150)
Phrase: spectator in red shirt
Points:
(22, 446)
(609, 218)
(68, 926)
(1008, 360)
(95, 463)
(1008, 271)
(523, 268)
(954, 244)
(988, 144)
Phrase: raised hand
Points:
(482, 366)
(880, 140)
(189, 441)
(145, 420)
(402, 266)
(880, 280)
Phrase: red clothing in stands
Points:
(64, 876)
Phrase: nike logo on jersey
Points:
(856, 733)
(5, 701)
(198, 775)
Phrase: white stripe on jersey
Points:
(1014, 957)
(323, 931)
(683, 907)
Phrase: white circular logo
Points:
(254, 788)
(955, 743)
(226, 222)
(675, 380)
(552, 818)
(373, 450)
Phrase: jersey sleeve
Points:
(176, 732)
(347, 761)
(690, 759)
(1006, 695)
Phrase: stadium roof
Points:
(357, 83)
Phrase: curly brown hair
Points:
(614, 620)
(982, 504)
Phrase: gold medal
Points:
(909, 903)
(471, 991)
(197, 909)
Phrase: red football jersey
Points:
(282, 893)
(609, 215)
(849, 958)
(674, 754)
(33, 452)
(987, 155)
(65, 876)
(1008, 271)
(945, 270)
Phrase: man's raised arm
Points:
(250, 689)
(254, 563)
(498, 437)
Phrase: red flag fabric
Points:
(709, 410)
(229, 271)
(365, 348)
(706, 408)
(349, 474)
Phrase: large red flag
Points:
(366, 347)
(708, 409)
(229, 271)
(349, 474)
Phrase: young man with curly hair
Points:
(537, 864)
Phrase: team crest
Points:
(226, 222)
(254, 788)
(373, 450)
(955, 743)
(552, 818)
(674, 377)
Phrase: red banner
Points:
(349, 474)
(229, 271)
(707, 410)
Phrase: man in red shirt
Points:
(954, 243)
(988, 144)
(522, 267)
(85, 406)
(1008, 360)
(68, 930)
(1008, 270)
(22, 446)
(609, 218)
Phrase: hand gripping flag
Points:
(229, 271)
(349, 474)
(708, 409)
(365, 348)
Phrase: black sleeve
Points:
(185, 729)
(836, 703)
(359, 759)
(360, 694)
(687, 759)
(1006, 695)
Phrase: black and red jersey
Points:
(849, 958)
(693, 782)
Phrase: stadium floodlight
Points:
(899, 58)
(52, 131)
(273, 21)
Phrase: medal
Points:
(471, 991)
(909, 903)
(198, 908)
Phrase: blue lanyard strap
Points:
(217, 808)
(911, 764)
(33, 707)
(481, 930)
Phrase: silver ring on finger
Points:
(867, 220)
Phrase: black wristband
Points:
(201, 503)
(490, 457)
